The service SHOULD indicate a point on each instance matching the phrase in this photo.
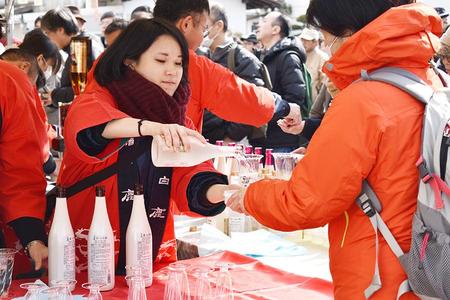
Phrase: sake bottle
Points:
(101, 245)
(139, 237)
(220, 162)
(269, 162)
(61, 243)
(162, 156)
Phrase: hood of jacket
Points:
(404, 36)
(287, 43)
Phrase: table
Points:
(251, 280)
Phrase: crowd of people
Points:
(177, 72)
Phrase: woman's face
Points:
(332, 42)
(161, 64)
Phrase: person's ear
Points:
(221, 25)
(185, 24)
(129, 63)
(276, 29)
(24, 66)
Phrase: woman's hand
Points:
(175, 136)
(38, 253)
(236, 201)
(219, 192)
(294, 129)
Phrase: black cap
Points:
(138, 189)
(61, 192)
(100, 191)
(250, 38)
(442, 12)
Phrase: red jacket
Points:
(97, 106)
(220, 91)
(22, 182)
(373, 131)
(223, 93)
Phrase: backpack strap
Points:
(371, 206)
(402, 79)
(231, 58)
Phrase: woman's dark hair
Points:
(60, 18)
(338, 17)
(134, 41)
(36, 43)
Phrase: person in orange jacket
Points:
(371, 131)
(22, 192)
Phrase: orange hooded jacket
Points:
(372, 130)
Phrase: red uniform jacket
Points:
(22, 192)
(94, 107)
(223, 93)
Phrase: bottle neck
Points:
(61, 209)
(100, 207)
(138, 205)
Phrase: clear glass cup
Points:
(284, 164)
(136, 290)
(177, 285)
(224, 283)
(66, 286)
(33, 290)
(6, 270)
(94, 291)
(201, 289)
(53, 293)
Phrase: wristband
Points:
(139, 127)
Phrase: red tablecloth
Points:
(251, 280)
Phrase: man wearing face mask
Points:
(29, 64)
(228, 53)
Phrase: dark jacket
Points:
(247, 67)
(285, 64)
(64, 93)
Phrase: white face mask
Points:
(207, 42)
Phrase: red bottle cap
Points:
(219, 143)
(249, 150)
(258, 150)
(269, 161)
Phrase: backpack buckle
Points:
(366, 205)
(425, 174)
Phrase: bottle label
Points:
(144, 253)
(100, 264)
(236, 223)
(69, 258)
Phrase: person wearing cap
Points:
(96, 44)
(315, 58)
(250, 42)
(444, 52)
(444, 16)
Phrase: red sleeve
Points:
(220, 91)
(88, 110)
(182, 176)
(22, 182)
